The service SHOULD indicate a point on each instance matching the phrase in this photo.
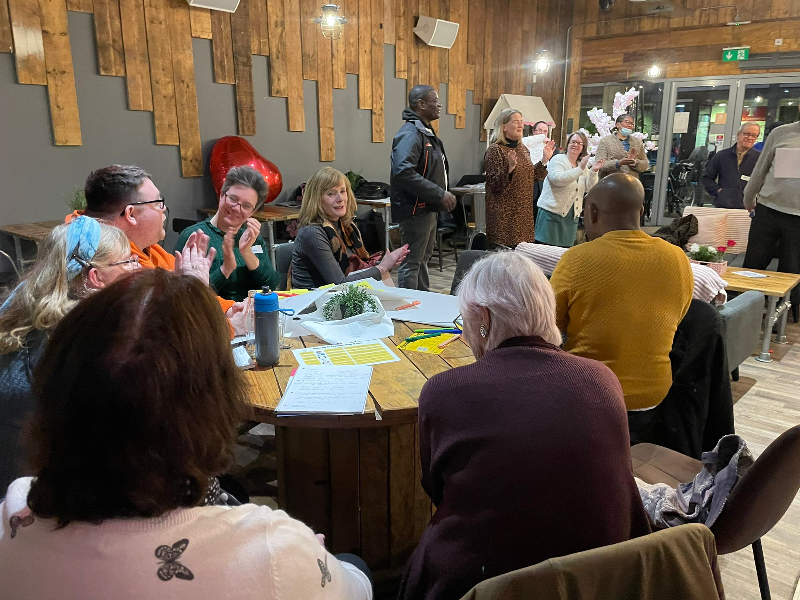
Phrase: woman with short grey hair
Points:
(242, 257)
(525, 453)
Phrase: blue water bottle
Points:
(268, 350)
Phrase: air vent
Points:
(774, 60)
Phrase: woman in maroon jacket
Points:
(525, 452)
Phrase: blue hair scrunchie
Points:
(83, 237)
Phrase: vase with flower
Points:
(709, 256)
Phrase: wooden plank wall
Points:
(149, 42)
(622, 44)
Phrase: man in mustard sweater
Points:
(621, 295)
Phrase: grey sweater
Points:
(313, 262)
(783, 193)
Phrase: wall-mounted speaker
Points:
(436, 32)
(226, 5)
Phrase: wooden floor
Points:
(768, 403)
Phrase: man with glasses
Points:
(125, 196)
(728, 172)
(242, 262)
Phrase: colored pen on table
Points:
(437, 331)
(422, 337)
(412, 304)
(450, 341)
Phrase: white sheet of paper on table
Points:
(787, 163)
(750, 274)
(326, 389)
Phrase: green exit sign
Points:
(732, 54)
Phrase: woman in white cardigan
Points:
(568, 179)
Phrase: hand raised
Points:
(249, 236)
(548, 151)
(511, 157)
(598, 164)
(584, 162)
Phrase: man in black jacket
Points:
(728, 172)
(419, 185)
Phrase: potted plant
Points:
(709, 256)
(353, 300)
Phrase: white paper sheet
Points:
(680, 123)
(787, 163)
(750, 274)
(326, 389)
(372, 352)
(535, 145)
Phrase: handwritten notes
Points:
(372, 352)
(326, 389)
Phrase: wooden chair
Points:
(756, 503)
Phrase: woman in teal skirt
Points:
(568, 179)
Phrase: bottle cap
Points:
(266, 301)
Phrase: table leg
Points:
(18, 250)
(271, 241)
(769, 320)
(479, 206)
(780, 337)
(386, 218)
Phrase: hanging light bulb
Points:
(542, 64)
(331, 22)
(654, 72)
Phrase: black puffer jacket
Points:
(419, 169)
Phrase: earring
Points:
(484, 331)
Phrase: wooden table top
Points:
(267, 213)
(774, 284)
(393, 391)
(34, 232)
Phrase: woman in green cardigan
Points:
(242, 262)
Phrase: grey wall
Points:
(38, 177)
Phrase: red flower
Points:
(731, 243)
(721, 249)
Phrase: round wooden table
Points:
(356, 478)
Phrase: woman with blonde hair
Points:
(510, 178)
(73, 260)
(525, 452)
(569, 178)
(328, 247)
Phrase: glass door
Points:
(697, 124)
(768, 101)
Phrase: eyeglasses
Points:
(627, 123)
(130, 264)
(753, 136)
(517, 122)
(576, 143)
(159, 201)
(234, 201)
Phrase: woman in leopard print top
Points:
(510, 175)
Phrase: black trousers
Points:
(774, 233)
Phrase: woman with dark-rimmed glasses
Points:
(242, 260)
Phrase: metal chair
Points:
(441, 232)
(178, 224)
(754, 506)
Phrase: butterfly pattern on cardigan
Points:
(326, 574)
(23, 518)
(170, 567)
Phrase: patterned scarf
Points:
(351, 241)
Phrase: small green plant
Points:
(351, 301)
(354, 178)
(78, 200)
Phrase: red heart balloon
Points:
(234, 151)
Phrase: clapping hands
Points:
(196, 259)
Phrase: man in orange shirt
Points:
(126, 197)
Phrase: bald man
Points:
(621, 295)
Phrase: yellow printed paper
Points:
(373, 352)
(360, 283)
(428, 345)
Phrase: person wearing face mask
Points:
(728, 172)
(510, 177)
(328, 247)
(568, 179)
(621, 152)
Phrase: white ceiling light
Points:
(654, 72)
(542, 64)
(331, 22)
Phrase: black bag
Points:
(372, 190)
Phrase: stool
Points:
(440, 233)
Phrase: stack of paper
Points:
(326, 389)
